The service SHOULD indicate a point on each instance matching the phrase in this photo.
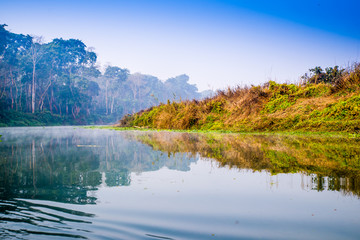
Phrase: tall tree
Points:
(35, 53)
(114, 77)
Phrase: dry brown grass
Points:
(350, 79)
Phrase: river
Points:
(73, 182)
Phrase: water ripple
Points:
(23, 219)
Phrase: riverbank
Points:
(327, 106)
(265, 133)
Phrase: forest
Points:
(60, 83)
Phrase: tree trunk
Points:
(112, 105)
(60, 108)
(140, 98)
(3, 91)
(29, 98)
(20, 98)
(11, 93)
(42, 97)
(75, 111)
(16, 95)
(50, 99)
(33, 89)
(106, 96)
(35, 53)
(13, 83)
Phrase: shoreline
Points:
(280, 133)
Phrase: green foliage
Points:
(146, 118)
(343, 113)
(346, 109)
(286, 95)
(216, 106)
(282, 89)
(282, 97)
(210, 119)
(13, 118)
(218, 125)
(280, 102)
(330, 75)
(313, 90)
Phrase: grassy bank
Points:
(323, 103)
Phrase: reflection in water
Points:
(65, 165)
(45, 172)
(332, 162)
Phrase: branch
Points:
(43, 95)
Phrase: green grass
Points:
(265, 133)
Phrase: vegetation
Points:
(58, 83)
(323, 102)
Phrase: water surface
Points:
(70, 183)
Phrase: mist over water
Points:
(68, 182)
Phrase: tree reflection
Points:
(65, 165)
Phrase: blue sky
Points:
(217, 43)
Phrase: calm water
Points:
(66, 182)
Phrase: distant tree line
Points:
(61, 78)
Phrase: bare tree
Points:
(35, 53)
(135, 81)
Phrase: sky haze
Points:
(217, 43)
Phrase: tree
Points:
(35, 54)
(331, 75)
(178, 88)
(134, 82)
(114, 77)
(318, 73)
(3, 39)
(14, 48)
(74, 69)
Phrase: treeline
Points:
(59, 83)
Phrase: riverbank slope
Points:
(325, 102)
